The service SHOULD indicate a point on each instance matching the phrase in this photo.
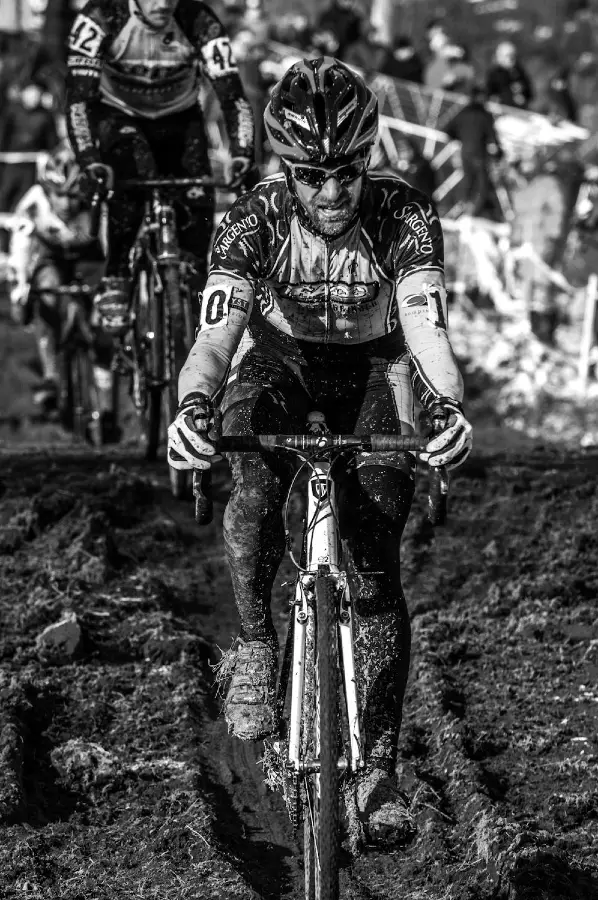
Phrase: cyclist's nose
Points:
(331, 189)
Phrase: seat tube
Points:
(168, 249)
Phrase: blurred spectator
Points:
(408, 163)
(459, 75)
(473, 128)
(250, 48)
(292, 29)
(579, 38)
(507, 81)
(554, 97)
(338, 26)
(370, 52)
(30, 89)
(404, 62)
(437, 65)
(544, 210)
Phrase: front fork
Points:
(323, 557)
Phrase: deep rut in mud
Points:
(118, 779)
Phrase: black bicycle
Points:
(164, 310)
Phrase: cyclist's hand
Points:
(96, 179)
(240, 167)
(189, 446)
(453, 444)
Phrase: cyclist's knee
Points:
(257, 486)
(379, 494)
(253, 406)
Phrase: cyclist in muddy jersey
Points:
(325, 291)
(135, 68)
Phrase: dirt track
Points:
(117, 779)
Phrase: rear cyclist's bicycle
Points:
(80, 405)
(165, 290)
(320, 744)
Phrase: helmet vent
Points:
(320, 111)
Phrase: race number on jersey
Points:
(215, 304)
(86, 36)
(218, 58)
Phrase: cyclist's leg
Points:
(125, 147)
(264, 398)
(49, 274)
(181, 148)
(89, 270)
(374, 506)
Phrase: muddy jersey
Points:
(118, 59)
(378, 288)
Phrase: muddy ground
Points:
(117, 777)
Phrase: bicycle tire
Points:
(177, 334)
(322, 820)
(149, 356)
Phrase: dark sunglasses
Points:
(316, 176)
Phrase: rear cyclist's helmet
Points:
(58, 171)
(321, 110)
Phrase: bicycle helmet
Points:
(321, 110)
(58, 171)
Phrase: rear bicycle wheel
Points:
(180, 339)
(322, 818)
(149, 356)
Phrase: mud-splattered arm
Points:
(86, 44)
(226, 305)
(422, 307)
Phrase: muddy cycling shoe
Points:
(250, 704)
(112, 304)
(383, 809)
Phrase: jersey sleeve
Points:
(86, 43)
(227, 299)
(225, 309)
(218, 64)
(422, 307)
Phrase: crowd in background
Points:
(31, 84)
(550, 81)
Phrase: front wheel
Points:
(321, 822)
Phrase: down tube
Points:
(323, 539)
